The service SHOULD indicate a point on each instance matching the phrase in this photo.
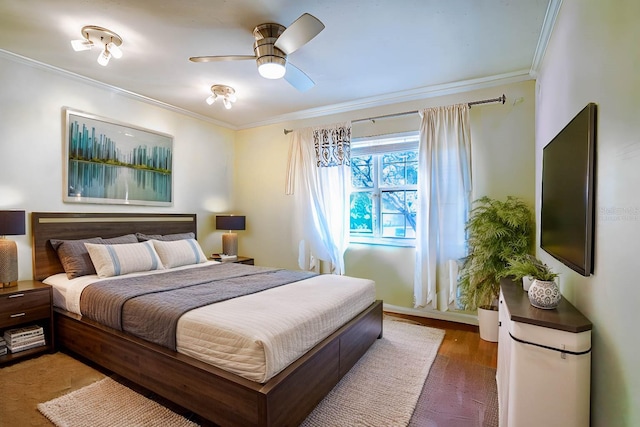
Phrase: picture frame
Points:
(109, 162)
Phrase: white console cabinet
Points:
(544, 363)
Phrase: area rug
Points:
(107, 403)
(382, 389)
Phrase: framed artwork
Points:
(109, 162)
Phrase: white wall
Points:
(593, 56)
(502, 157)
(31, 117)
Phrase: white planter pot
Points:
(488, 324)
(526, 283)
(544, 294)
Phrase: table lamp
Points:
(230, 239)
(11, 224)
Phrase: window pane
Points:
(411, 199)
(412, 173)
(393, 201)
(393, 225)
(399, 213)
(361, 213)
(400, 168)
(362, 172)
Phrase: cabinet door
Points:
(504, 357)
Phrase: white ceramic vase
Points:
(544, 294)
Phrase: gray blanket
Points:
(149, 306)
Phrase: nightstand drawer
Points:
(21, 307)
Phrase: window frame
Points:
(378, 146)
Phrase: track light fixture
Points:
(227, 93)
(106, 39)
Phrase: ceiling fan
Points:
(274, 42)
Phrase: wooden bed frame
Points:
(212, 393)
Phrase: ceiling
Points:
(370, 53)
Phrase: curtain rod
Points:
(502, 99)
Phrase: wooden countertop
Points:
(565, 317)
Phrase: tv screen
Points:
(568, 185)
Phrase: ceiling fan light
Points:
(115, 50)
(104, 57)
(271, 70)
(80, 45)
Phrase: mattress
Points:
(254, 336)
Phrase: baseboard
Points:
(450, 316)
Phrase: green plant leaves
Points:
(498, 231)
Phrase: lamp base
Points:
(8, 263)
(230, 243)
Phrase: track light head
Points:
(80, 45)
(104, 57)
(115, 50)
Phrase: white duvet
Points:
(258, 335)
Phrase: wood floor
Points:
(461, 342)
(460, 390)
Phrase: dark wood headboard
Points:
(74, 225)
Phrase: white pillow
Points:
(179, 252)
(115, 260)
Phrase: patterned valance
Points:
(333, 145)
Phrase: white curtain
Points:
(444, 195)
(318, 176)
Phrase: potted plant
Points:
(497, 231)
(543, 292)
(528, 268)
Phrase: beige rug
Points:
(380, 390)
(107, 403)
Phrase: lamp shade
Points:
(12, 223)
(230, 222)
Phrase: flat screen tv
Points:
(568, 199)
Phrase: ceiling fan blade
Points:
(297, 78)
(220, 58)
(303, 29)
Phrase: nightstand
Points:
(239, 260)
(28, 303)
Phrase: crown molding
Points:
(553, 8)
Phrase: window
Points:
(384, 191)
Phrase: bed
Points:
(215, 394)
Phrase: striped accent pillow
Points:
(179, 252)
(115, 260)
